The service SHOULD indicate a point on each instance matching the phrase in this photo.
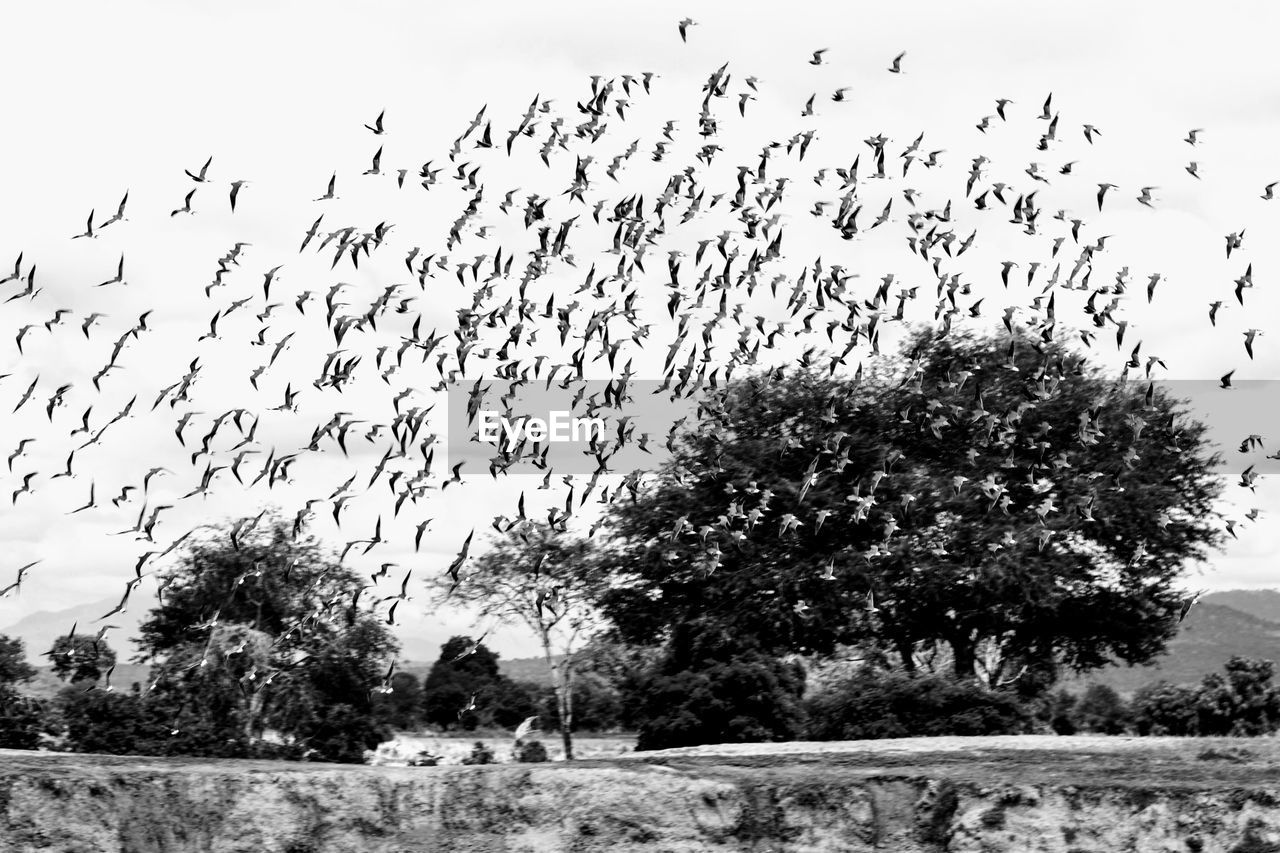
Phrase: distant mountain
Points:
(1210, 635)
(1262, 603)
(38, 630)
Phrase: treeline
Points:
(463, 692)
(1240, 701)
(987, 515)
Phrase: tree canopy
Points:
(549, 582)
(78, 658)
(259, 630)
(999, 502)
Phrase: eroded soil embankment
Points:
(971, 800)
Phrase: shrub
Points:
(480, 754)
(878, 704)
(708, 689)
(110, 722)
(1240, 701)
(1060, 712)
(1101, 710)
(1255, 701)
(1165, 709)
(531, 752)
(21, 720)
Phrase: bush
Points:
(1165, 709)
(531, 752)
(1255, 703)
(1102, 711)
(21, 720)
(480, 754)
(1059, 712)
(709, 689)
(878, 704)
(1240, 701)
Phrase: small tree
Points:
(1101, 710)
(464, 689)
(264, 631)
(77, 658)
(549, 582)
(402, 707)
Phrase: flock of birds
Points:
(695, 270)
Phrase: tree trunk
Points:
(965, 658)
(566, 709)
(256, 701)
(906, 651)
(564, 703)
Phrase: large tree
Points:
(995, 499)
(260, 631)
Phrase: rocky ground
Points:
(1068, 795)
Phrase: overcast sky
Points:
(107, 98)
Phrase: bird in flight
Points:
(88, 230)
(186, 205)
(1102, 191)
(235, 192)
(204, 171)
(683, 26)
(377, 127)
(328, 195)
(896, 65)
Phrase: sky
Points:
(124, 97)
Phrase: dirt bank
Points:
(1026, 794)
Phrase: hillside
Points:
(1210, 635)
(1262, 603)
(38, 630)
